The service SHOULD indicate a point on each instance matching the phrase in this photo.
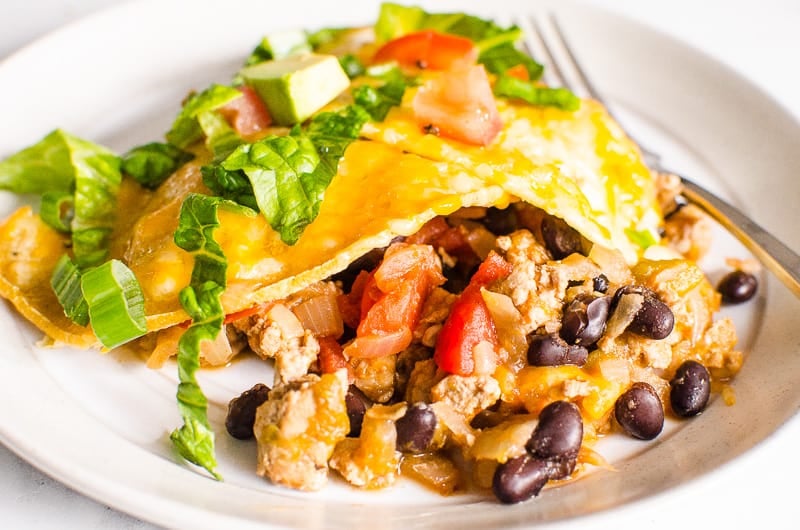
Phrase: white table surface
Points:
(760, 39)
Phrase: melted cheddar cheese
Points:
(578, 166)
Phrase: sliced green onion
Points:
(643, 238)
(66, 282)
(116, 303)
(511, 87)
(58, 209)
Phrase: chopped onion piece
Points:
(508, 322)
(627, 307)
(504, 441)
(320, 315)
(612, 262)
(287, 321)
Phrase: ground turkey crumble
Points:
(298, 427)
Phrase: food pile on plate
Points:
(458, 274)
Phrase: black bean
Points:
(600, 283)
(654, 319)
(737, 287)
(584, 320)
(500, 222)
(559, 432)
(639, 411)
(560, 238)
(677, 204)
(357, 404)
(690, 389)
(242, 411)
(518, 479)
(415, 429)
(552, 350)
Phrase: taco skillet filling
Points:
(458, 274)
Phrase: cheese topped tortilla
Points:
(578, 166)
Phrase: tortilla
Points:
(575, 165)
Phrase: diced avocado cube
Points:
(285, 43)
(296, 87)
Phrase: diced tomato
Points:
(244, 313)
(470, 321)
(247, 114)
(452, 239)
(404, 279)
(519, 71)
(460, 105)
(331, 358)
(350, 303)
(428, 49)
(493, 268)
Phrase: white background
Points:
(761, 40)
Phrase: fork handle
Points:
(782, 261)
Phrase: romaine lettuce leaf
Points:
(499, 59)
(45, 166)
(221, 139)
(201, 300)
(511, 87)
(495, 43)
(287, 185)
(278, 45)
(97, 181)
(186, 130)
(150, 164)
(378, 101)
(62, 163)
(57, 209)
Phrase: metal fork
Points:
(778, 258)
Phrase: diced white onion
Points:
(320, 315)
(508, 322)
(290, 326)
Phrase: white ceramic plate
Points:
(99, 423)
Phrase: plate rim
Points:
(94, 491)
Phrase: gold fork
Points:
(774, 255)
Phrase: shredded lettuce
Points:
(279, 45)
(97, 181)
(58, 209)
(150, 164)
(499, 59)
(325, 36)
(484, 33)
(62, 164)
(496, 44)
(198, 219)
(352, 66)
(378, 101)
(186, 129)
(221, 139)
(44, 166)
(285, 177)
(511, 87)
(231, 185)
(288, 181)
